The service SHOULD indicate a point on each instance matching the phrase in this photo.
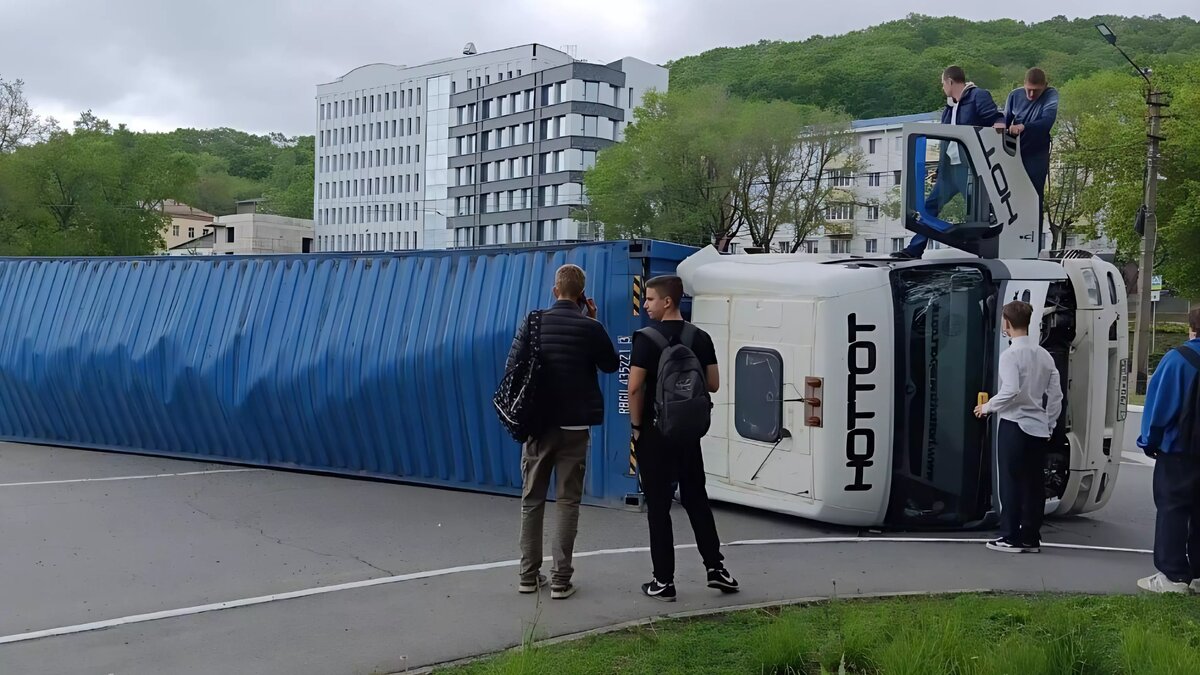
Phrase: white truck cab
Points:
(852, 381)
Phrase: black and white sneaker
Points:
(664, 592)
(1006, 546)
(720, 579)
(532, 586)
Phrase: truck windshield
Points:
(943, 348)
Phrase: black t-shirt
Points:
(645, 355)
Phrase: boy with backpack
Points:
(1171, 435)
(673, 372)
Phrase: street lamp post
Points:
(1155, 102)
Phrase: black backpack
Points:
(682, 406)
(515, 399)
(1189, 417)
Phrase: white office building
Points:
(483, 149)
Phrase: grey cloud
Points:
(254, 65)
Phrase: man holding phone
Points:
(574, 345)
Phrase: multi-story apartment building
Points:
(484, 149)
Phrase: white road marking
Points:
(380, 581)
(113, 478)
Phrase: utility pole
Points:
(1155, 103)
(1143, 339)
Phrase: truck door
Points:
(966, 187)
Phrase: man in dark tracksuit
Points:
(573, 347)
(1030, 112)
(1171, 435)
(967, 105)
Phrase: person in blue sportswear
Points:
(1029, 113)
(968, 105)
(1171, 435)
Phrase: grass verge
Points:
(960, 635)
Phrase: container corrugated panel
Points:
(376, 365)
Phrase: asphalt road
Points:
(123, 564)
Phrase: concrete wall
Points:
(258, 233)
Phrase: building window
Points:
(895, 177)
(839, 212)
(810, 246)
(591, 92)
(872, 246)
(897, 244)
(872, 146)
(839, 245)
(229, 235)
(191, 233)
(174, 230)
(873, 212)
(758, 394)
(873, 180)
(840, 178)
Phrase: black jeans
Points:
(1177, 525)
(1022, 460)
(661, 465)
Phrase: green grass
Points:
(960, 635)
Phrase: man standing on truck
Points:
(1030, 112)
(673, 371)
(966, 104)
(1171, 435)
(1028, 404)
(573, 345)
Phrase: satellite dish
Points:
(470, 49)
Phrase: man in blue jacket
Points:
(967, 105)
(1030, 112)
(1171, 435)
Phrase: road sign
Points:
(1156, 286)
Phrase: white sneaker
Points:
(1159, 583)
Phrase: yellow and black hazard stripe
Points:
(637, 296)
(632, 458)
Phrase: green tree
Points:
(674, 177)
(19, 124)
(289, 189)
(1110, 127)
(96, 191)
(893, 68)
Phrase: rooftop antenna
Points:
(570, 50)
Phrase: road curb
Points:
(690, 614)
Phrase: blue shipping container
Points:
(377, 365)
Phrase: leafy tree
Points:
(96, 191)
(290, 187)
(674, 177)
(1109, 128)
(19, 125)
(893, 68)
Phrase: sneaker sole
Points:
(660, 598)
(723, 587)
(1164, 591)
(1006, 549)
(562, 595)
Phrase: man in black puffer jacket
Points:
(573, 346)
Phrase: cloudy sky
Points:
(254, 64)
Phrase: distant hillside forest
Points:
(893, 68)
